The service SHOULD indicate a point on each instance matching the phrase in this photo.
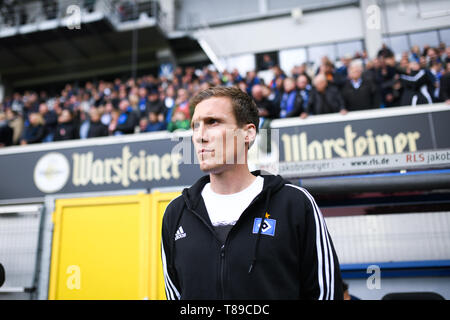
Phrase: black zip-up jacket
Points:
(289, 255)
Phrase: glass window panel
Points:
(398, 44)
(349, 48)
(292, 57)
(244, 63)
(445, 36)
(424, 38)
(317, 52)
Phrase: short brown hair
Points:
(244, 107)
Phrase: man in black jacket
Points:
(6, 133)
(416, 83)
(50, 121)
(66, 128)
(325, 97)
(237, 234)
(359, 93)
(444, 90)
(266, 109)
(128, 120)
(96, 127)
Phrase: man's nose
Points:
(200, 135)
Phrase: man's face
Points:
(123, 105)
(289, 85)
(320, 83)
(218, 141)
(257, 92)
(302, 82)
(355, 72)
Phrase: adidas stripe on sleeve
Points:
(172, 292)
(325, 255)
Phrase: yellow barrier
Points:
(108, 247)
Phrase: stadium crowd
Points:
(151, 103)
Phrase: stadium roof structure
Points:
(54, 51)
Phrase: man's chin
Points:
(211, 167)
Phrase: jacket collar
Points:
(192, 195)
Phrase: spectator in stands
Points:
(133, 99)
(385, 73)
(290, 106)
(398, 82)
(169, 99)
(127, 121)
(142, 103)
(278, 73)
(303, 92)
(182, 104)
(179, 122)
(435, 73)
(242, 85)
(324, 98)
(154, 123)
(250, 80)
(385, 52)
(359, 93)
(300, 70)
(347, 295)
(444, 90)
(17, 104)
(34, 131)
(83, 125)
(446, 56)
(393, 97)
(415, 83)
(31, 103)
(432, 56)
(414, 54)
(106, 113)
(96, 127)
(113, 123)
(343, 69)
(267, 62)
(50, 119)
(66, 128)
(6, 133)
(266, 109)
(236, 76)
(327, 68)
(154, 104)
(143, 124)
(16, 122)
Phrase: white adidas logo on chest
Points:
(180, 233)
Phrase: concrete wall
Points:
(285, 32)
(324, 26)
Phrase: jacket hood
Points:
(192, 195)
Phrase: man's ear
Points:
(250, 135)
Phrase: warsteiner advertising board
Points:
(158, 160)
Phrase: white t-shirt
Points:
(225, 209)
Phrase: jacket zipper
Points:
(222, 248)
(222, 254)
(222, 271)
